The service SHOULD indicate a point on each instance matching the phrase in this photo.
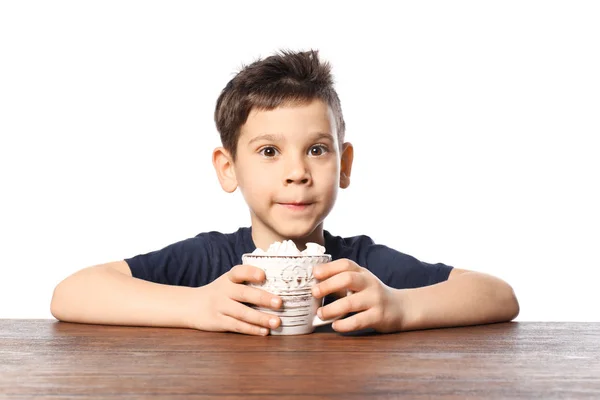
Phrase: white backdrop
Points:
(475, 127)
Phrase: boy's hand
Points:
(377, 305)
(221, 307)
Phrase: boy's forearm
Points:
(470, 298)
(99, 295)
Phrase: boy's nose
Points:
(297, 173)
(303, 181)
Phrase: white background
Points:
(475, 127)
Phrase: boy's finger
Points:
(246, 273)
(255, 296)
(235, 325)
(353, 303)
(251, 316)
(349, 280)
(361, 320)
(324, 271)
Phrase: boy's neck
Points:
(263, 238)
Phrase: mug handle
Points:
(319, 322)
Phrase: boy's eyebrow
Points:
(323, 135)
(268, 137)
(273, 138)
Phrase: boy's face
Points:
(288, 168)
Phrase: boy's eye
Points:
(268, 151)
(318, 150)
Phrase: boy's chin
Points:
(295, 230)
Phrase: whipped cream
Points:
(288, 248)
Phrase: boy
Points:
(282, 131)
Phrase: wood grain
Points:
(50, 359)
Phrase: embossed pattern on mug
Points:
(296, 309)
(292, 279)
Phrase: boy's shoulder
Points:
(363, 250)
(195, 261)
(239, 241)
(394, 268)
(224, 236)
(342, 246)
(359, 248)
(211, 245)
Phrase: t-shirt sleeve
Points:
(185, 263)
(402, 271)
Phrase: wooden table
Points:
(49, 359)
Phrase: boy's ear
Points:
(223, 163)
(346, 164)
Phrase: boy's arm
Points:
(108, 294)
(466, 298)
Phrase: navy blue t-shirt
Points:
(200, 260)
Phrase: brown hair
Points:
(284, 78)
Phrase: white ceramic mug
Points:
(292, 279)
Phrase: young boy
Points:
(282, 131)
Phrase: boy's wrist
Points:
(407, 315)
(193, 307)
(175, 307)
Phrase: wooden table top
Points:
(50, 359)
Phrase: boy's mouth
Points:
(296, 206)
